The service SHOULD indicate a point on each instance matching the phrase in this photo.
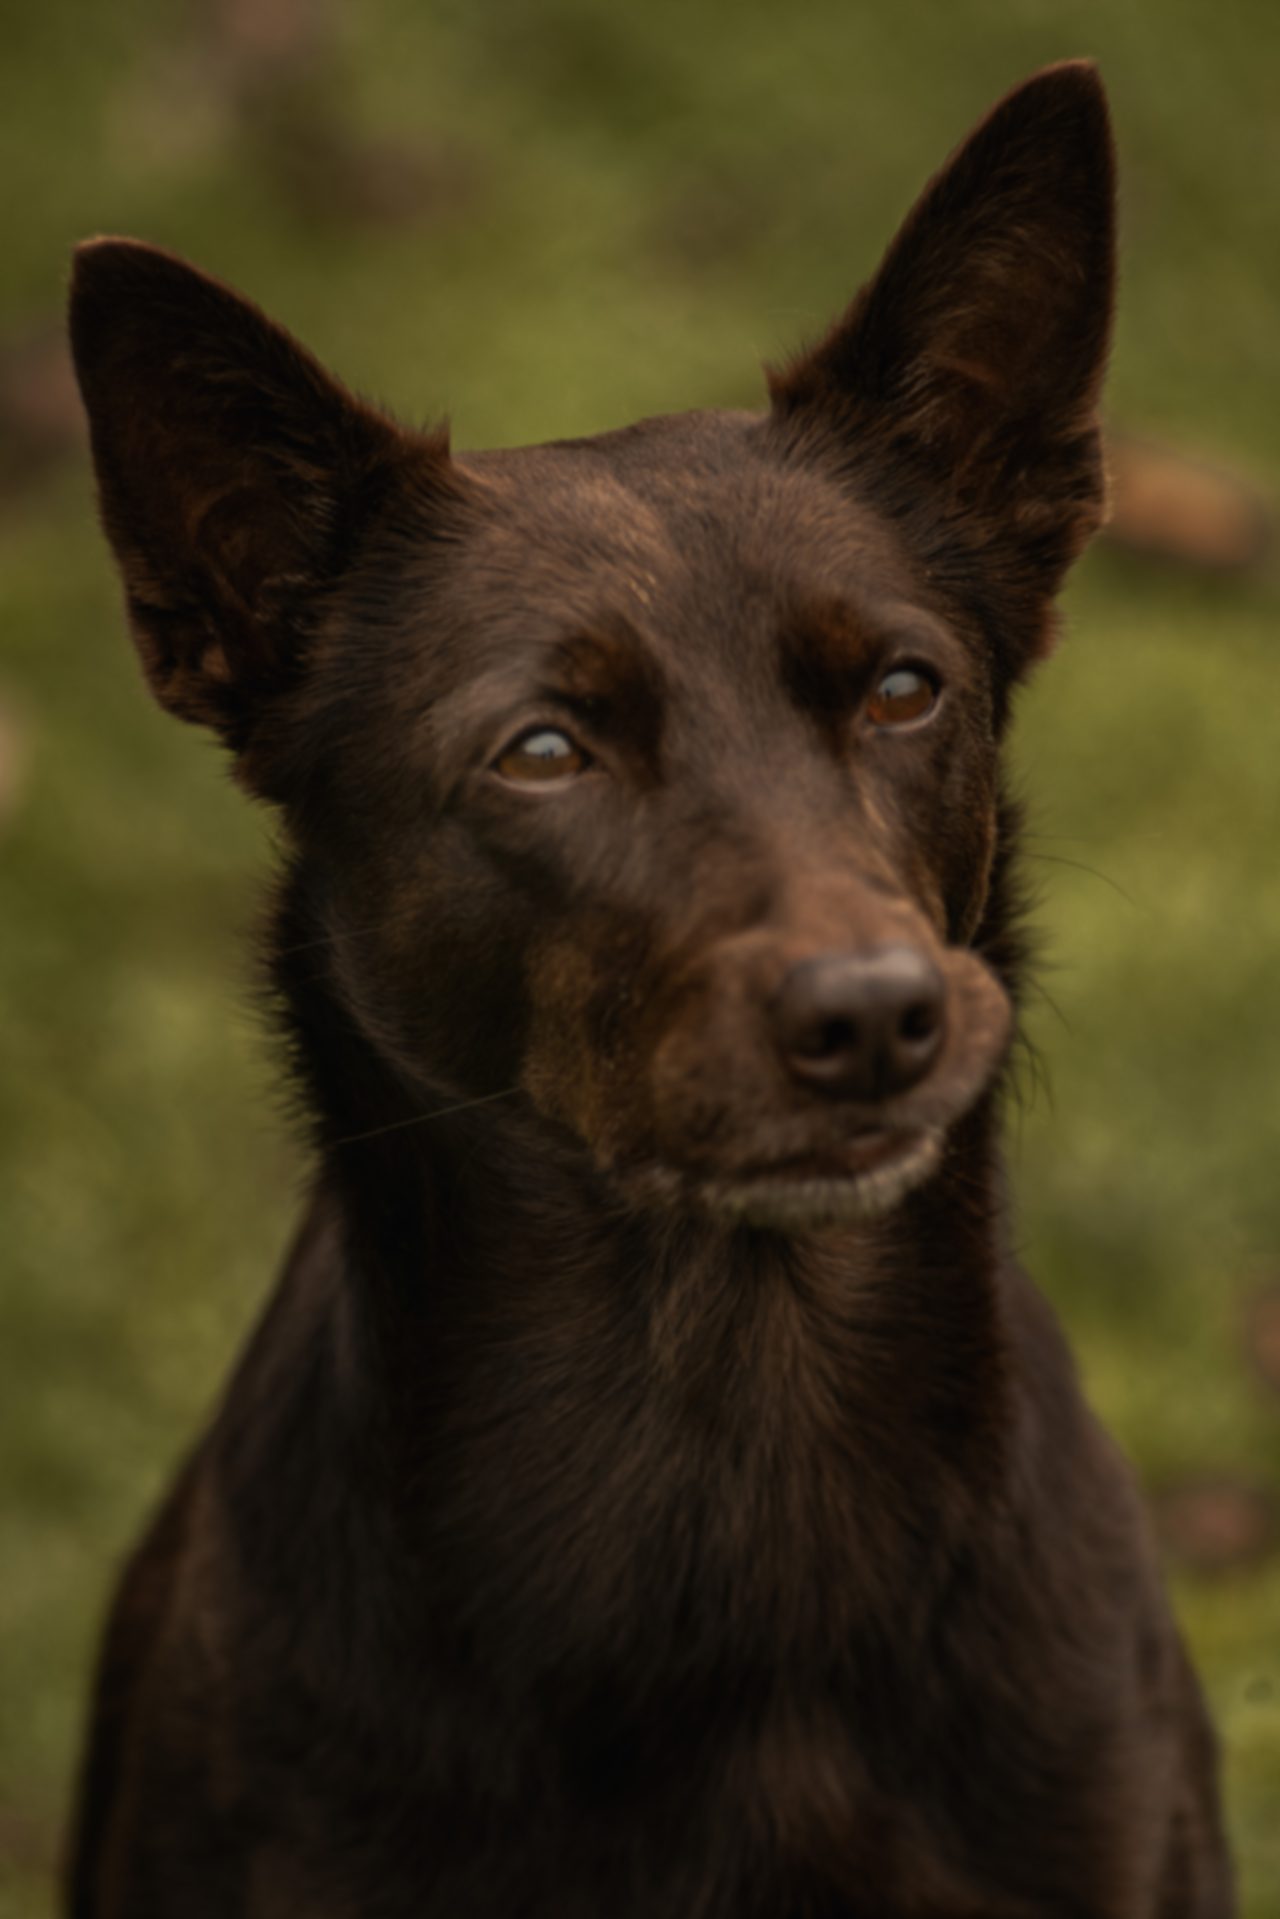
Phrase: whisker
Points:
(1038, 986)
(422, 1119)
(1028, 1079)
(1082, 866)
(326, 939)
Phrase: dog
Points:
(653, 1488)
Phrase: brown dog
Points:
(654, 1489)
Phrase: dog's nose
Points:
(861, 1025)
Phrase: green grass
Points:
(636, 208)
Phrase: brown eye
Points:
(904, 695)
(540, 757)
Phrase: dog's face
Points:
(656, 774)
(685, 791)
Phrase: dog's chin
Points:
(796, 1196)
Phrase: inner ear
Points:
(980, 345)
(235, 477)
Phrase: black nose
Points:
(861, 1026)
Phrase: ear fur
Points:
(975, 356)
(234, 476)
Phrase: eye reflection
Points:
(541, 757)
(903, 695)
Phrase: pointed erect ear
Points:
(235, 477)
(976, 354)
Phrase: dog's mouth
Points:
(871, 1176)
(710, 1114)
(749, 1146)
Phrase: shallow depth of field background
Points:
(549, 219)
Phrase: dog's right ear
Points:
(234, 474)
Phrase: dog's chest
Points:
(751, 1482)
(790, 1829)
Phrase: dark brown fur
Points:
(630, 1503)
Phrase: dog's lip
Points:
(863, 1180)
(862, 1153)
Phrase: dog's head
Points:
(654, 774)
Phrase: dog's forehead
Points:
(697, 508)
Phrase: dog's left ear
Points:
(967, 374)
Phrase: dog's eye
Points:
(540, 756)
(906, 694)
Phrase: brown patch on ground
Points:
(1171, 507)
(1215, 1523)
(40, 414)
(26, 1844)
(283, 73)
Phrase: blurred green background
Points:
(548, 219)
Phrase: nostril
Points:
(828, 1040)
(920, 1021)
